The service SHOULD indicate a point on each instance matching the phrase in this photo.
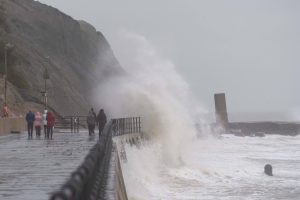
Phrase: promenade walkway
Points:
(32, 169)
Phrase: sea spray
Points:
(154, 90)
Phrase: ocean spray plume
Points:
(154, 90)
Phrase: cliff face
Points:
(77, 57)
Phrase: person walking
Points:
(50, 124)
(101, 121)
(92, 109)
(91, 121)
(37, 124)
(45, 122)
(30, 120)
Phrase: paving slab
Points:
(31, 169)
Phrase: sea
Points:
(227, 167)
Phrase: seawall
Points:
(12, 125)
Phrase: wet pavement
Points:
(32, 169)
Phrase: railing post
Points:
(78, 124)
(131, 127)
(127, 126)
(133, 124)
(71, 120)
(72, 124)
(123, 125)
(139, 124)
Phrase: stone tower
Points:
(221, 110)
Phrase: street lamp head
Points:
(9, 45)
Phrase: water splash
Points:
(153, 89)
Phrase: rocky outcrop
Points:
(76, 55)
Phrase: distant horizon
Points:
(254, 117)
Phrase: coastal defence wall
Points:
(12, 125)
(120, 185)
(116, 189)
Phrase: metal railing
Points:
(128, 125)
(72, 123)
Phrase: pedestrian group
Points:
(37, 120)
(47, 120)
(93, 119)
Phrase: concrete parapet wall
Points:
(115, 188)
(121, 193)
(12, 124)
(119, 157)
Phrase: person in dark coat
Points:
(50, 124)
(91, 121)
(95, 115)
(30, 118)
(101, 121)
(92, 110)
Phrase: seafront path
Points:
(32, 169)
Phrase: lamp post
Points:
(46, 76)
(6, 47)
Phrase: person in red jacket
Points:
(50, 124)
(5, 111)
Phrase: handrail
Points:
(128, 125)
(72, 123)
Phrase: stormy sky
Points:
(247, 49)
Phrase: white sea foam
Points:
(226, 168)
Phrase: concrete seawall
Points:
(11, 125)
(120, 185)
(119, 156)
(115, 189)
